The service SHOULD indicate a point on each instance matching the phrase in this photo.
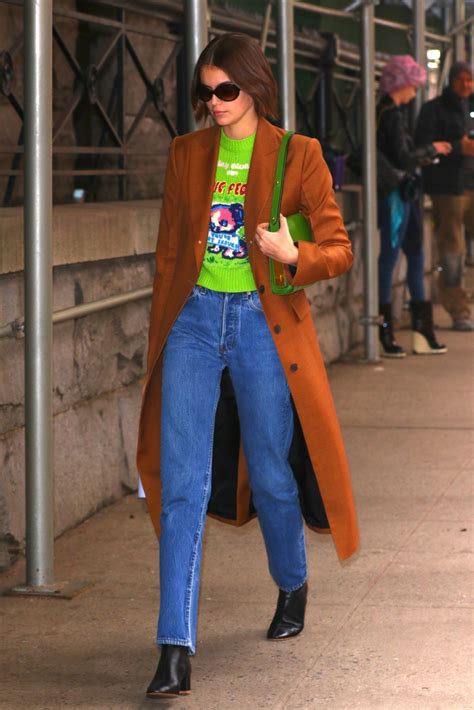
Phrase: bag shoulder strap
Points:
(278, 183)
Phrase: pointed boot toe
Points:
(173, 675)
(289, 615)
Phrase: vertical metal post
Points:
(459, 15)
(196, 40)
(266, 26)
(471, 44)
(120, 89)
(286, 62)
(419, 29)
(322, 107)
(370, 183)
(38, 292)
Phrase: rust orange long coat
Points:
(319, 464)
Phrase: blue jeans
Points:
(410, 240)
(213, 331)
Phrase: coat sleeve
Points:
(331, 253)
(428, 130)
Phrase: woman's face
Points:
(407, 94)
(226, 113)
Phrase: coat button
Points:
(261, 289)
(277, 328)
(293, 367)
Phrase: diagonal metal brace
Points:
(359, 3)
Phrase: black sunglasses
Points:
(227, 91)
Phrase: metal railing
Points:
(16, 328)
(97, 91)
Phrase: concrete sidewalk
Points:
(390, 629)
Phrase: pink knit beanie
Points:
(399, 71)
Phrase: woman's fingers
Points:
(278, 245)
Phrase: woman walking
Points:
(399, 216)
(237, 414)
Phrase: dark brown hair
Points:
(245, 64)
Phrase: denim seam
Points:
(255, 307)
(192, 568)
(225, 304)
(169, 641)
(304, 560)
(290, 432)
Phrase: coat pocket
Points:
(300, 305)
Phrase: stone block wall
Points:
(98, 363)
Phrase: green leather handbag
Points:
(298, 225)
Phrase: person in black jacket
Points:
(450, 185)
(399, 214)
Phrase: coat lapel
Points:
(203, 162)
(260, 178)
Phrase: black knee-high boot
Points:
(387, 339)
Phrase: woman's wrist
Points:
(293, 257)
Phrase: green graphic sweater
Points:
(226, 266)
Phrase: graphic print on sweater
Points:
(226, 221)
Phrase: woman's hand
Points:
(442, 147)
(277, 245)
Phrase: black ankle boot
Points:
(390, 347)
(173, 675)
(289, 615)
(424, 339)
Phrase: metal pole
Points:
(459, 15)
(471, 45)
(370, 184)
(286, 62)
(38, 293)
(266, 27)
(419, 29)
(196, 40)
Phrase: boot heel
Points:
(185, 688)
(421, 345)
